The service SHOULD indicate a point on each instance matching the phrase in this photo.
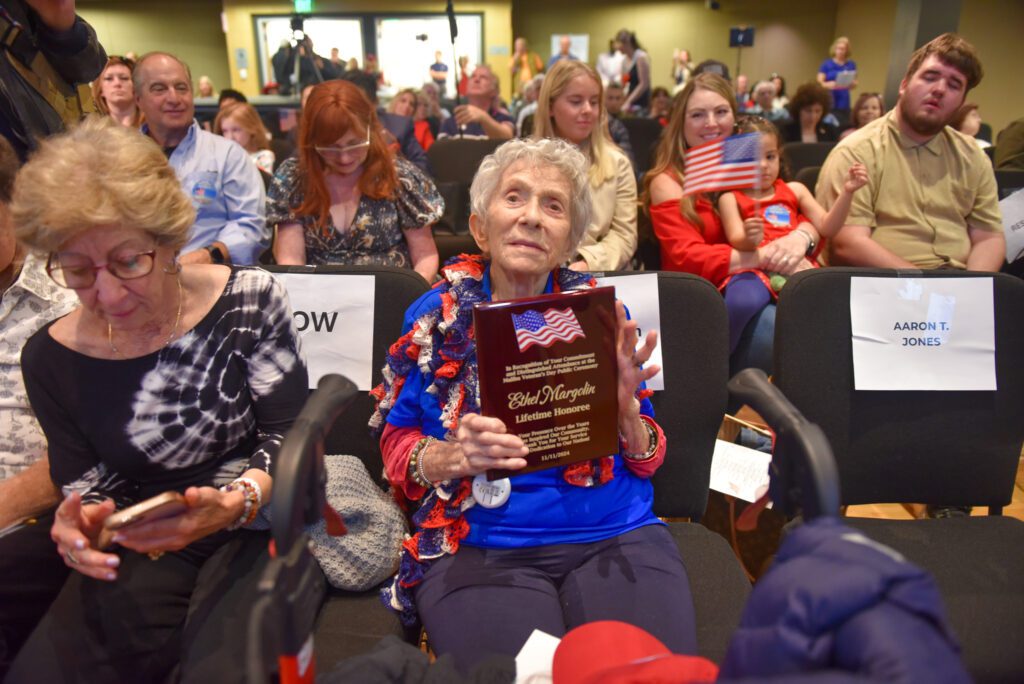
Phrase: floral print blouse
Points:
(375, 237)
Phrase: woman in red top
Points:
(689, 228)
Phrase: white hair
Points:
(545, 152)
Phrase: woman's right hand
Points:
(76, 528)
(783, 255)
(481, 443)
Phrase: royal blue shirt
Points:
(543, 508)
(840, 97)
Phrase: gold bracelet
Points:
(415, 469)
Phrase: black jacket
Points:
(75, 55)
(791, 132)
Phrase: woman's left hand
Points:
(209, 510)
(783, 255)
(630, 359)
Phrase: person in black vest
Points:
(52, 54)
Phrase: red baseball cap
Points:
(612, 652)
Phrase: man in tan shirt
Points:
(931, 200)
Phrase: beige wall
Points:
(869, 26)
(995, 26)
(790, 39)
(190, 29)
(791, 42)
(497, 18)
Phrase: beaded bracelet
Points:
(416, 472)
(253, 494)
(652, 444)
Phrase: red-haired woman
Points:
(347, 199)
(114, 93)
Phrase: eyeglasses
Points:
(347, 149)
(77, 272)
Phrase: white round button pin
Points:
(491, 494)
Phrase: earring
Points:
(175, 267)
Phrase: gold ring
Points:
(71, 557)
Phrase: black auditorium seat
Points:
(690, 409)
(809, 177)
(644, 135)
(944, 448)
(455, 161)
(350, 623)
(799, 155)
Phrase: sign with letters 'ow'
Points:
(923, 334)
(334, 317)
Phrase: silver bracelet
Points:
(652, 444)
(419, 463)
(811, 244)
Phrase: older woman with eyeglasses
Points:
(348, 199)
(165, 378)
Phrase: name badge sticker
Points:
(923, 334)
(204, 188)
(777, 214)
(491, 494)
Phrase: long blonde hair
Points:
(669, 156)
(598, 148)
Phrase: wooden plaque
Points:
(547, 369)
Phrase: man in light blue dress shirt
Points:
(217, 174)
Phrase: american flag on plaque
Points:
(545, 328)
(728, 164)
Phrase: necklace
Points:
(174, 330)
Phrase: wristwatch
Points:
(216, 255)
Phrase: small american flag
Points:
(544, 329)
(728, 164)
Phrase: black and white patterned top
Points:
(29, 303)
(200, 411)
(375, 237)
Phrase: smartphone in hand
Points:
(155, 508)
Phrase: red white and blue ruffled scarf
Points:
(440, 343)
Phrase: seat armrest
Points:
(804, 478)
(300, 478)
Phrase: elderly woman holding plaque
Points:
(549, 549)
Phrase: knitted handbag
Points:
(369, 552)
